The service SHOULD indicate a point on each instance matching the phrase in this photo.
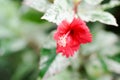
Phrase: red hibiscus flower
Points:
(69, 36)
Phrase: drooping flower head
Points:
(69, 36)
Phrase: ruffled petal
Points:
(69, 36)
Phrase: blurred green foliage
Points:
(27, 48)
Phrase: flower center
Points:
(62, 40)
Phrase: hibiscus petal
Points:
(69, 36)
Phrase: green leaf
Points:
(101, 16)
(94, 68)
(111, 4)
(20, 65)
(93, 2)
(104, 65)
(45, 64)
(116, 57)
(113, 66)
(95, 13)
(47, 59)
(40, 5)
(104, 42)
(58, 65)
(66, 75)
(51, 64)
(59, 11)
